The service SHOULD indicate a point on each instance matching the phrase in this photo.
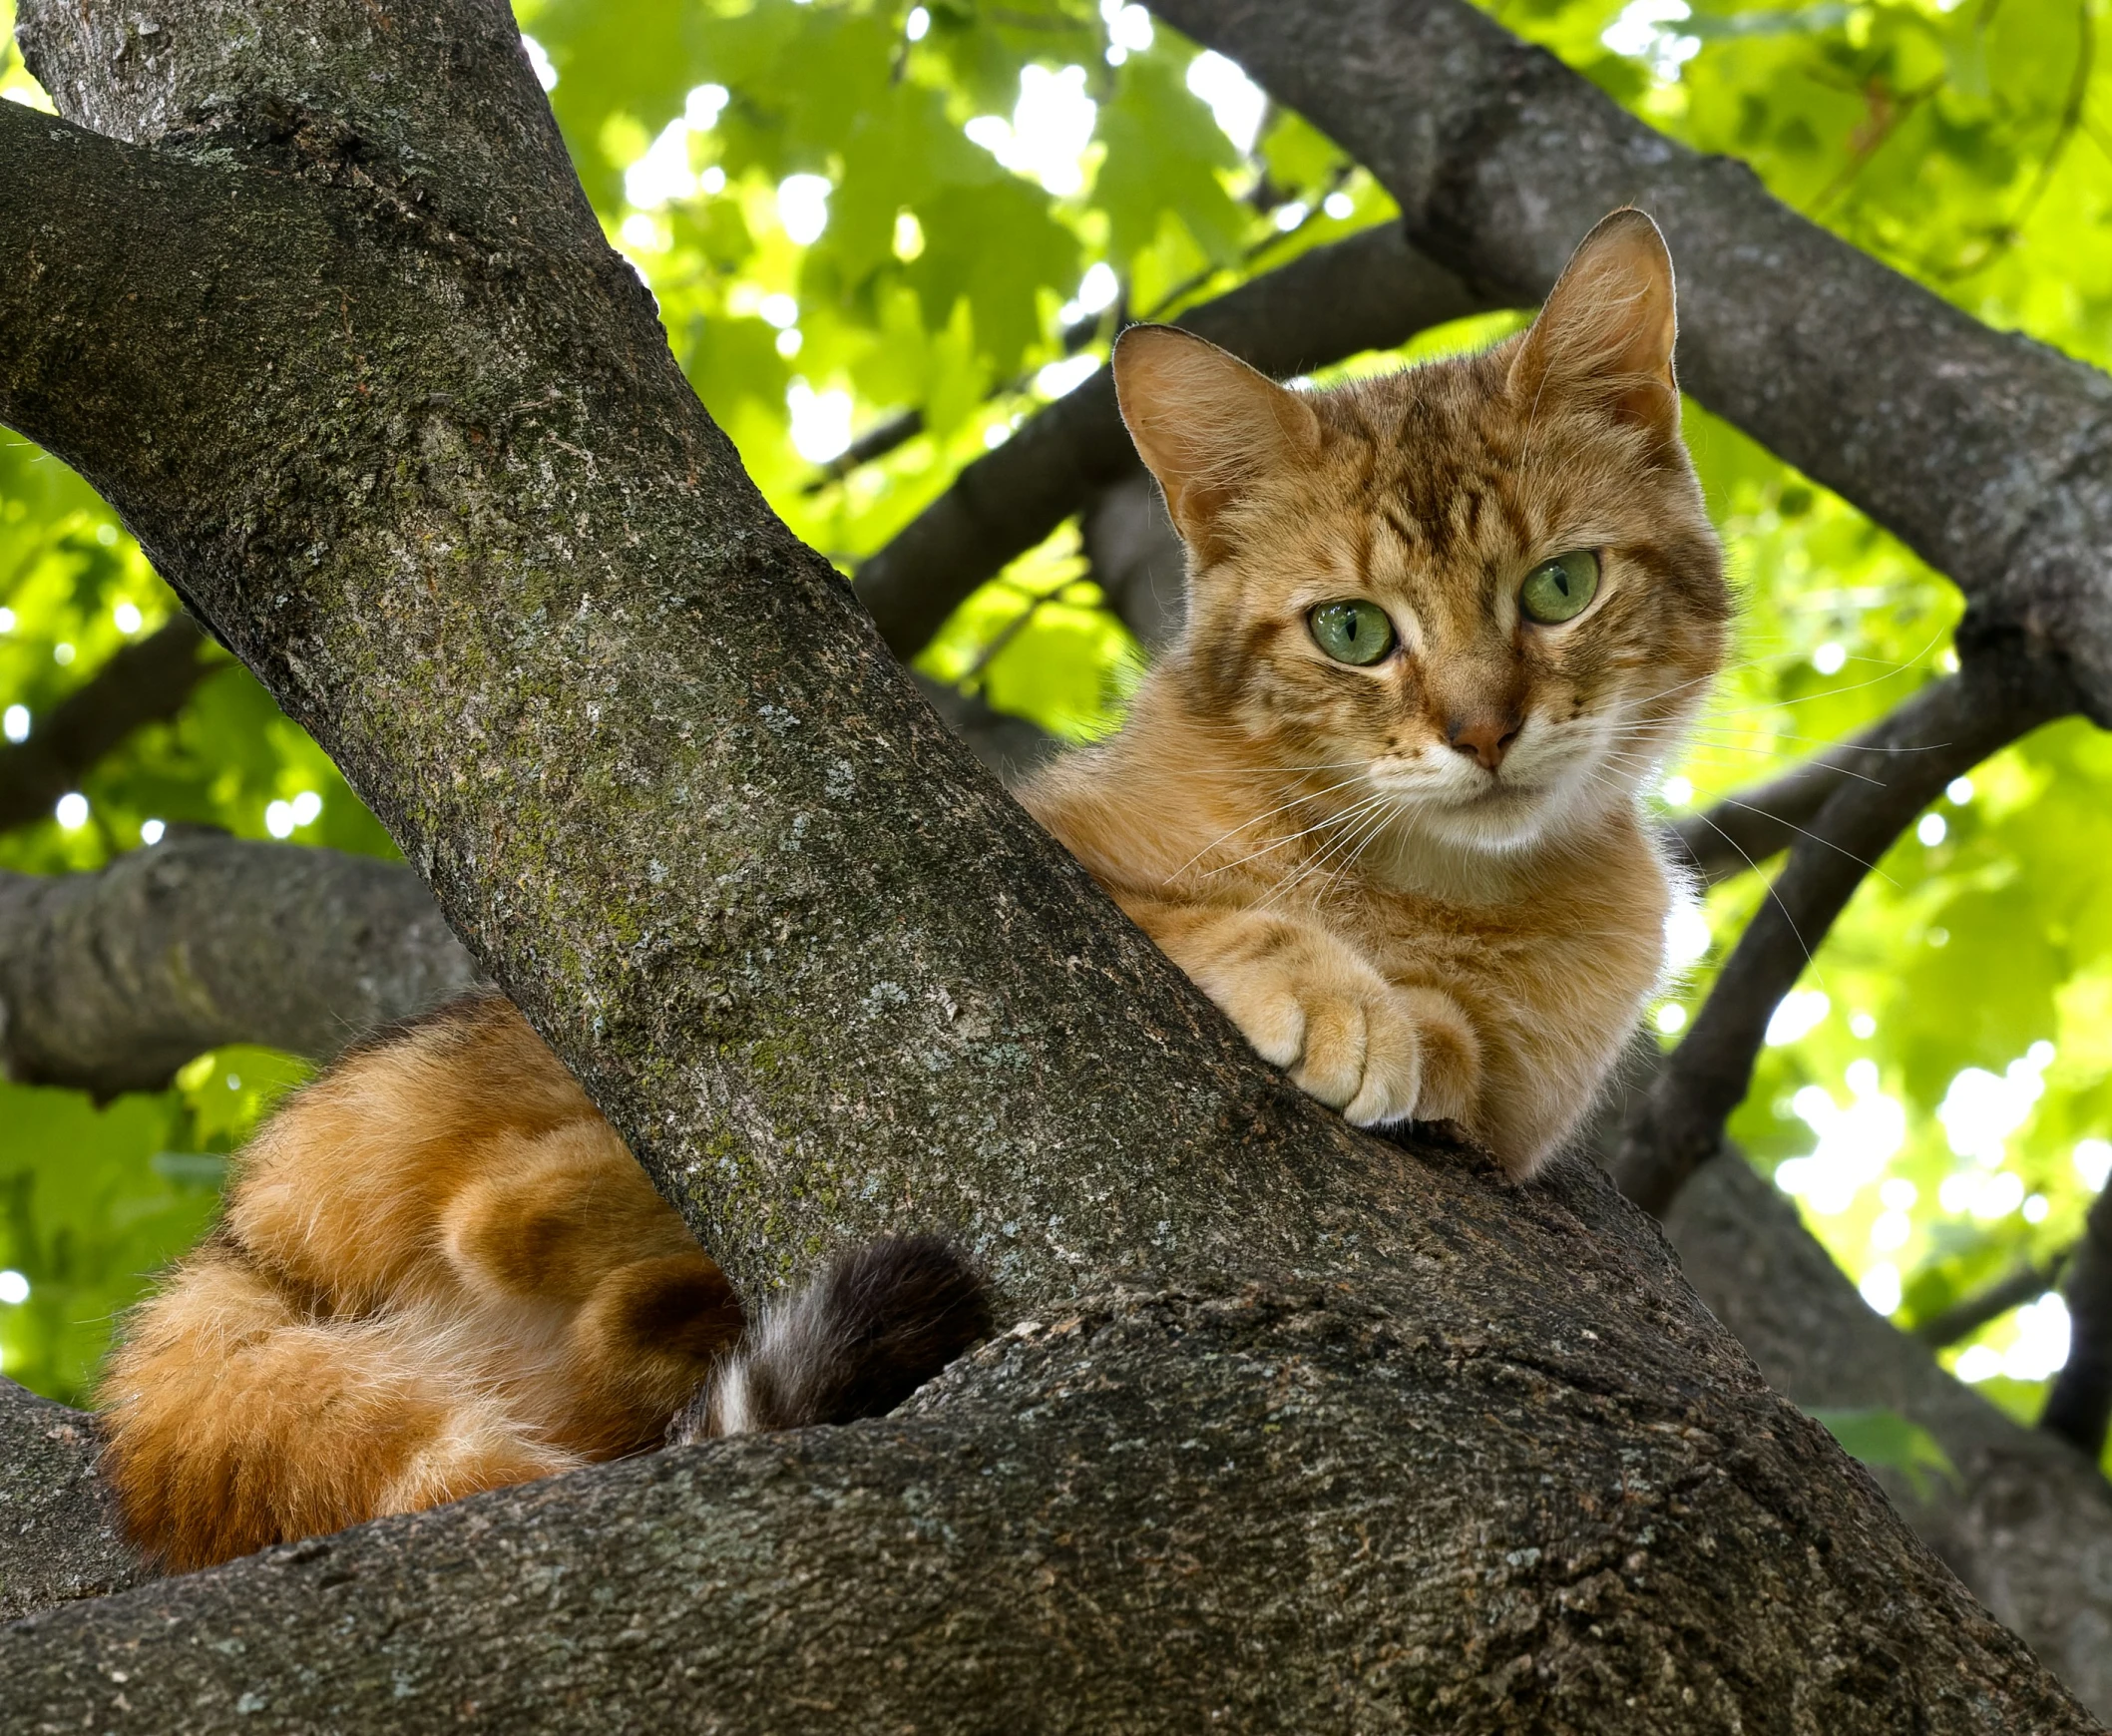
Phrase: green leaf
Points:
(1164, 155)
(1887, 1440)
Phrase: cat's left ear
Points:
(1605, 335)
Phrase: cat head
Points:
(1484, 587)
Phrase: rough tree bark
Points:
(2027, 1522)
(59, 1537)
(1294, 1428)
(112, 980)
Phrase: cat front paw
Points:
(1379, 1054)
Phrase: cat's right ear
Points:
(1206, 425)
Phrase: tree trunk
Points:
(1295, 1428)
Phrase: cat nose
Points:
(1485, 738)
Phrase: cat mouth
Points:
(1488, 791)
(1501, 792)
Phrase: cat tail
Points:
(880, 1320)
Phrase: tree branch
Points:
(878, 441)
(59, 1539)
(1370, 292)
(443, 488)
(1739, 833)
(688, 695)
(141, 684)
(2027, 1523)
(671, 1591)
(2081, 1404)
(1969, 1314)
(110, 981)
(250, 75)
(1988, 454)
(1945, 730)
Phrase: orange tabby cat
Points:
(1379, 801)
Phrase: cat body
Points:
(1379, 800)
(441, 1271)
(1396, 980)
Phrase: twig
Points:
(2081, 1404)
(1740, 832)
(876, 442)
(900, 429)
(993, 646)
(1965, 1317)
(1955, 724)
(143, 684)
(2070, 122)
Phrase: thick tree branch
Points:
(110, 981)
(2027, 1523)
(1989, 454)
(1057, 1537)
(699, 647)
(141, 684)
(242, 72)
(444, 489)
(59, 1541)
(1370, 292)
(1943, 731)
(2081, 1404)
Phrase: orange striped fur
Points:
(1421, 884)
(440, 1272)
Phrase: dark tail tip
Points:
(880, 1320)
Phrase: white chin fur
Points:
(1500, 820)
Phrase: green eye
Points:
(1560, 590)
(1356, 631)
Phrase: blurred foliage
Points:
(853, 210)
(1889, 1440)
